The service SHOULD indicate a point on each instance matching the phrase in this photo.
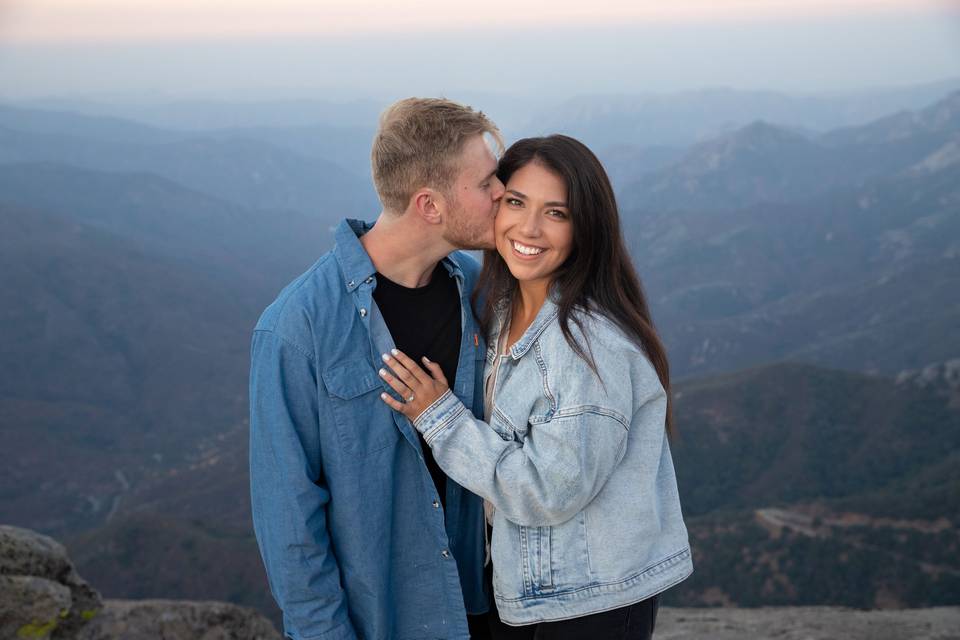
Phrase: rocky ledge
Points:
(42, 596)
(808, 623)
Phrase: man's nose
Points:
(498, 188)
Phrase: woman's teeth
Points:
(525, 250)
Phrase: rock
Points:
(808, 623)
(42, 597)
(176, 620)
(41, 594)
(31, 606)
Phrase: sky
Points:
(534, 47)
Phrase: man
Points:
(362, 535)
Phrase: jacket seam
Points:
(432, 406)
(306, 354)
(303, 282)
(542, 596)
(504, 417)
(573, 412)
(436, 430)
(288, 294)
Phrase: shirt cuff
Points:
(439, 415)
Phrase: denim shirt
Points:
(587, 512)
(348, 520)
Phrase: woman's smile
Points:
(525, 250)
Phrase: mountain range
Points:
(804, 283)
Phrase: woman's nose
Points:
(531, 224)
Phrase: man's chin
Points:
(474, 244)
(486, 246)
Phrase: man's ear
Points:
(430, 205)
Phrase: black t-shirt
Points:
(425, 321)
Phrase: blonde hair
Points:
(418, 144)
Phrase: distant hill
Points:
(764, 163)
(53, 122)
(858, 277)
(233, 166)
(347, 147)
(798, 482)
(788, 433)
(128, 303)
(688, 117)
(195, 115)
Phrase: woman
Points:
(572, 455)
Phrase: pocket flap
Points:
(350, 379)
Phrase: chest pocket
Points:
(364, 422)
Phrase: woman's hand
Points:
(418, 388)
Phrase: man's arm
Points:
(288, 495)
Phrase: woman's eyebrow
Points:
(552, 203)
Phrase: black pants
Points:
(634, 622)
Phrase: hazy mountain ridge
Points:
(688, 117)
(765, 163)
(245, 171)
(129, 310)
(53, 122)
(828, 278)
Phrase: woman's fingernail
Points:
(385, 357)
(426, 359)
(394, 351)
(383, 396)
(383, 372)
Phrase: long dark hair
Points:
(597, 276)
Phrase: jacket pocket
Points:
(363, 421)
(537, 557)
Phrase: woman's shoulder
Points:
(621, 367)
(598, 335)
(598, 328)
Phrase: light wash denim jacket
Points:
(587, 510)
(350, 526)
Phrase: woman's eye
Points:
(557, 213)
(513, 202)
(485, 185)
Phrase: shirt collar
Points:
(356, 265)
(354, 262)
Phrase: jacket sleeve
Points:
(558, 468)
(288, 494)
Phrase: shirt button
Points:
(350, 284)
(436, 504)
(363, 313)
(369, 280)
(445, 553)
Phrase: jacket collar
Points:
(355, 264)
(545, 316)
